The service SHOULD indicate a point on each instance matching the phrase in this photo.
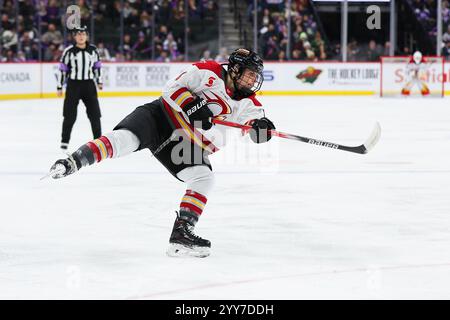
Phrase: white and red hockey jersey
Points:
(206, 80)
(414, 70)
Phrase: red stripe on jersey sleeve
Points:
(186, 101)
(177, 93)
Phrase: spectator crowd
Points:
(35, 29)
(426, 13)
(306, 39)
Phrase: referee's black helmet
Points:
(79, 29)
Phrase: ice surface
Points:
(305, 222)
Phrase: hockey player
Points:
(188, 102)
(414, 68)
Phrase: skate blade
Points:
(56, 171)
(178, 251)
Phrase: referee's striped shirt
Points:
(79, 64)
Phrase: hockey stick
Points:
(362, 149)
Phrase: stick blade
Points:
(373, 138)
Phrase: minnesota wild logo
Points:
(309, 75)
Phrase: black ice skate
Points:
(183, 242)
(63, 167)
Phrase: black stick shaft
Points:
(362, 149)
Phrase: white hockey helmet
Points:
(417, 57)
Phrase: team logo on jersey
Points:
(226, 109)
(210, 82)
(309, 75)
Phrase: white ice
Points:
(309, 223)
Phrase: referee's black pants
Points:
(87, 92)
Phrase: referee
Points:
(80, 65)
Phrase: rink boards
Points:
(38, 80)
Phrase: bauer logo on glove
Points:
(199, 113)
(197, 106)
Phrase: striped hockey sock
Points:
(93, 151)
(192, 206)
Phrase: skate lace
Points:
(190, 231)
